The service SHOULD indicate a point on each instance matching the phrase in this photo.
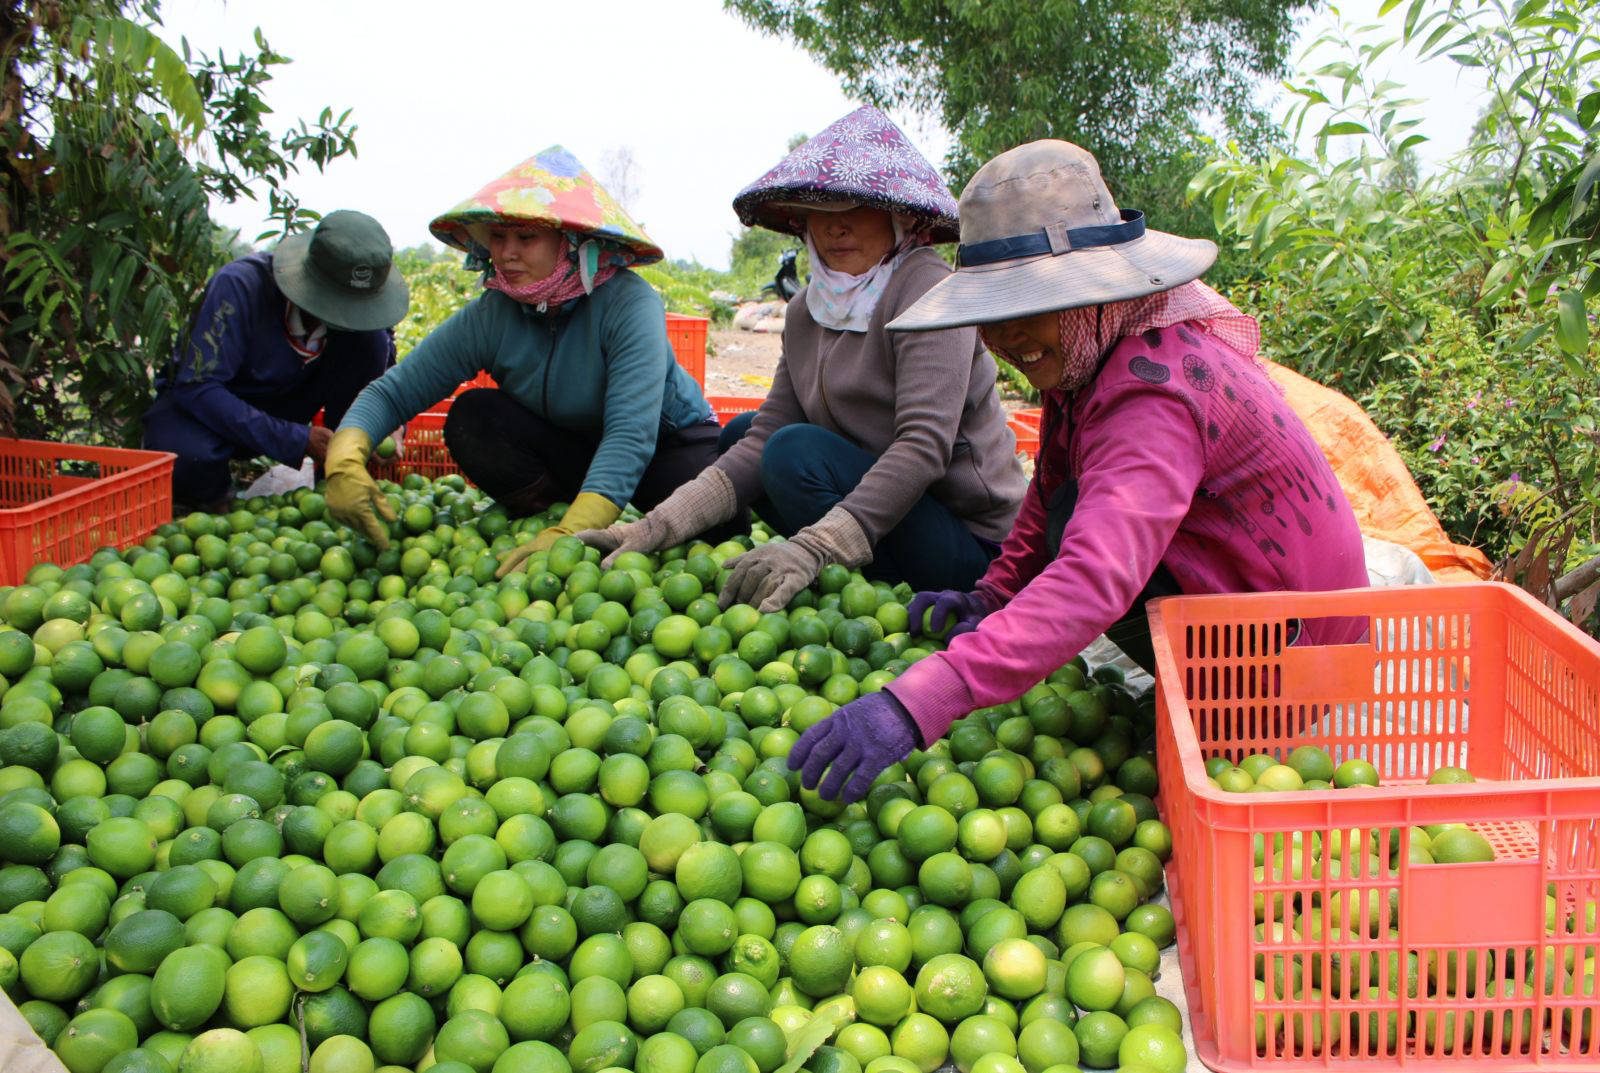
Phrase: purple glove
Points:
(857, 742)
(959, 612)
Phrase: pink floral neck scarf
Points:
(577, 274)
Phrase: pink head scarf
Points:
(1088, 332)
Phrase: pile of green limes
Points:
(272, 800)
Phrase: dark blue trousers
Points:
(807, 470)
(200, 476)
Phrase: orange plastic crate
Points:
(60, 503)
(1479, 676)
(688, 338)
(1025, 426)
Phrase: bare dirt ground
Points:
(741, 363)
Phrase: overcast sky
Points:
(449, 96)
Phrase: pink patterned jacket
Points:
(1185, 455)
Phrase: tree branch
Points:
(1577, 579)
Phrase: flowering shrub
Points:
(1501, 448)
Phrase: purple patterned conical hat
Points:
(862, 158)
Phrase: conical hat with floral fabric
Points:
(553, 189)
(862, 159)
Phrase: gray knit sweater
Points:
(923, 402)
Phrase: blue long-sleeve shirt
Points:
(236, 363)
(601, 364)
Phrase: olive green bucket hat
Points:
(342, 272)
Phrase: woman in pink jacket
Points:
(1169, 463)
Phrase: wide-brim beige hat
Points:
(1040, 232)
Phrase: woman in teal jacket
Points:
(591, 407)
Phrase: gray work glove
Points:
(707, 500)
(768, 577)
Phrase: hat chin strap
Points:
(1054, 240)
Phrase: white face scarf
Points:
(844, 302)
(308, 344)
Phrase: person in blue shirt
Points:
(278, 337)
(590, 407)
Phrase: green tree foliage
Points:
(1451, 302)
(440, 285)
(114, 144)
(753, 260)
(1503, 449)
(1350, 243)
(686, 287)
(1133, 81)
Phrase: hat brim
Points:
(842, 205)
(775, 209)
(463, 231)
(299, 282)
(1007, 290)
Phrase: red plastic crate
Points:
(1475, 675)
(424, 451)
(688, 338)
(727, 407)
(48, 515)
(483, 379)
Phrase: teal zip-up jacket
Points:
(600, 364)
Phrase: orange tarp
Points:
(1388, 504)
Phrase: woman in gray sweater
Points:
(879, 450)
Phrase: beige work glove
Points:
(353, 496)
(588, 511)
(696, 506)
(769, 576)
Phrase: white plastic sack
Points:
(1104, 651)
(282, 479)
(752, 313)
(1391, 564)
(21, 1051)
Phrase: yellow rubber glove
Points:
(353, 496)
(588, 511)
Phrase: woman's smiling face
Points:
(1032, 344)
